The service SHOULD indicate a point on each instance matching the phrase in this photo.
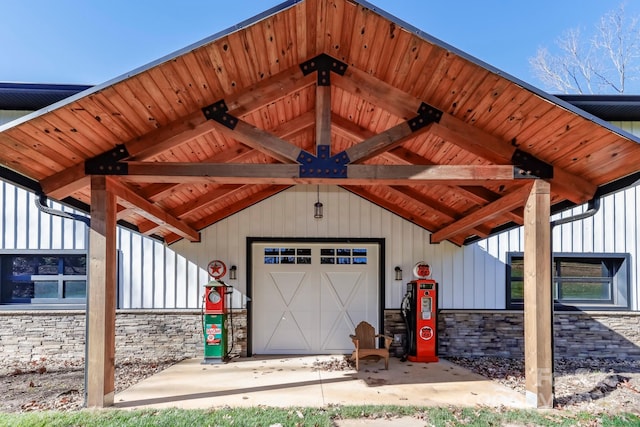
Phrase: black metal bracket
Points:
(108, 163)
(426, 115)
(324, 65)
(218, 112)
(323, 165)
(528, 166)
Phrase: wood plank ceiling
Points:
(318, 91)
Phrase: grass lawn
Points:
(312, 417)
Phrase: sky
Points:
(92, 42)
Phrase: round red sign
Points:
(216, 269)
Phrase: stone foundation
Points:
(167, 334)
(577, 334)
(157, 334)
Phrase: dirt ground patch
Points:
(49, 385)
(592, 385)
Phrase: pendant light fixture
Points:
(317, 207)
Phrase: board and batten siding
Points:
(289, 214)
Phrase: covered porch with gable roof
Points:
(318, 92)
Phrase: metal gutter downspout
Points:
(41, 204)
(593, 207)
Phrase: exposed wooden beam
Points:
(241, 153)
(378, 92)
(181, 131)
(151, 211)
(149, 227)
(237, 207)
(393, 207)
(492, 210)
(261, 140)
(323, 116)
(414, 174)
(478, 142)
(479, 195)
(454, 130)
(538, 300)
(123, 212)
(350, 130)
(439, 209)
(268, 91)
(384, 141)
(64, 183)
(205, 200)
(288, 174)
(172, 135)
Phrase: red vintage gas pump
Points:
(420, 311)
(215, 310)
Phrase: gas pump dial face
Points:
(214, 297)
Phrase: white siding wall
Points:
(24, 227)
(151, 274)
(465, 274)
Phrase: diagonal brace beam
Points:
(391, 138)
(258, 139)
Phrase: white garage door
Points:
(308, 297)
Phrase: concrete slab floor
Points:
(285, 381)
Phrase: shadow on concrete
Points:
(298, 381)
(223, 393)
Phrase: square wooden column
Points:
(538, 302)
(101, 297)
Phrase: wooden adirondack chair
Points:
(365, 342)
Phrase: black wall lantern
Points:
(317, 207)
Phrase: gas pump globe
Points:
(420, 312)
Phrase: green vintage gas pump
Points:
(215, 316)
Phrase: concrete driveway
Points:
(286, 381)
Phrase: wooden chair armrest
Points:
(356, 341)
(387, 340)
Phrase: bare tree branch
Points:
(608, 62)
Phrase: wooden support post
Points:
(538, 301)
(101, 297)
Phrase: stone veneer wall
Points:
(154, 334)
(577, 334)
(166, 334)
